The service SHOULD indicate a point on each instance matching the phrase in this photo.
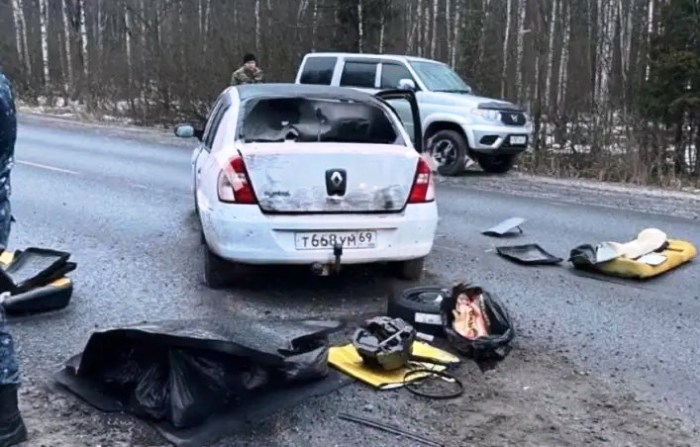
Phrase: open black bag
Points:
(198, 380)
(495, 346)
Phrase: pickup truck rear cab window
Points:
(318, 70)
(361, 74)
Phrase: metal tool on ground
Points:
(505, 228)
(389, 429)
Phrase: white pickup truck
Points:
(457, 125)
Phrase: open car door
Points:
(405, 105)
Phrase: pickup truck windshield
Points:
(316, 120)
(440, 77)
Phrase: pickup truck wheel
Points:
(449, 149)
(217, 271)
(496, 164)
(411, 270)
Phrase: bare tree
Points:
(506, 41)
(522, 10)
(44, 24)
(550, 55)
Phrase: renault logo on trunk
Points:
(336, 181)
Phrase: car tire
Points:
(411, 270)
(458, 147)
(418, 306)
(217, 271)
(496, 164)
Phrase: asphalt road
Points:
(119, 200)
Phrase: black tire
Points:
(496, 164)
(456, 147)
(411, 270)
(217, 271)
(421, 302)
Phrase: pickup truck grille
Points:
(513, 118)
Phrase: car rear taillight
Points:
(423, 188)
(234, 185)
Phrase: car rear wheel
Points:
(449, 150)
(496, 164)
(217, 271)
(411, 270)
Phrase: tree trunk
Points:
(486, 6)
(68, 44)
(84, 39)
(433, 41)
(650, 32)
(258, 36)
(419, 24)
(564, 64)
(426, 30)
(127, 42)
(314, 27)
(550, 58)
(506, 40)
(448, 28)
(205, 30)
(360, 27)
(382, 27)
(521, 49)
(16, 14)
(457, 26)
(44, 29)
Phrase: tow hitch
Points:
(325, 269)
(337, 252)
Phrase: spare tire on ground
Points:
(419, 307)
(494, 346)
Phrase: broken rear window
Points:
(316, 120)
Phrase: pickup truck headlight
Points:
(489, 115)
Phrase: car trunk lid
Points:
(290, 177)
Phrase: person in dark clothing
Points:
(8, 135)
(12, 428)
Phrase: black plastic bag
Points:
(184, 372)
(497, 344)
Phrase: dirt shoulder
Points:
(533, 398)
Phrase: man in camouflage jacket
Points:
(12, 428)
(8, 134)
(249, 73)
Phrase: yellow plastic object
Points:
(347, 360)
(677, 253)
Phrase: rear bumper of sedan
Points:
(242, 233)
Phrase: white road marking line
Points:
(49, 168)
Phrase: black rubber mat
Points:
(33, 267)
(529, 254)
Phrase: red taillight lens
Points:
(234, 185)
(423, 189)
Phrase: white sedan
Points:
(311, 175)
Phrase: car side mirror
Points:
(407, 84)
(188, 131)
